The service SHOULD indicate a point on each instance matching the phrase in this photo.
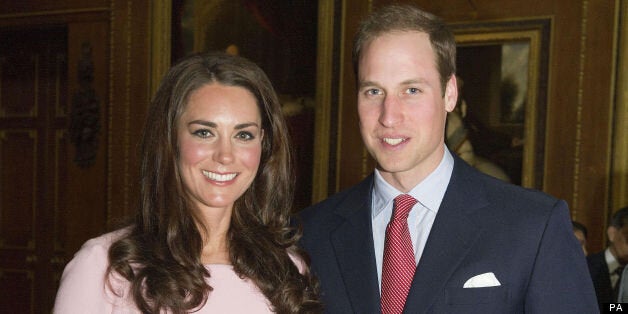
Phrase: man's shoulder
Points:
(498, 191)
(325, 208)
(465, 174)
(516, 193)
(328, 206)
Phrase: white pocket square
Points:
(482, 280)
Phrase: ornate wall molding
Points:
(619, 170)
(578, 123)
(85, 122)
(161, 30)
(324, 98)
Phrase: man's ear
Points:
(451, 93)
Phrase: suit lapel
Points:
(453, 234)
(353, 244)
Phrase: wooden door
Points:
(33, 146)
(53, 83)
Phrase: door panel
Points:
(18, 159)
(33, 83)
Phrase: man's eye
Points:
(373, 92)
(413, 90)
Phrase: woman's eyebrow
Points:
(203, 122)
(214, 125)
(246, 125)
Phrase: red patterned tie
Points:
(398, 267)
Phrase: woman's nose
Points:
(224, 151)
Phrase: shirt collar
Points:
(611, 261)
(428, 192)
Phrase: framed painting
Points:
(499, 123)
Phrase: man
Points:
(606, 266)
(580, 231)
(474, 243)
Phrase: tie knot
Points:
(402, 206)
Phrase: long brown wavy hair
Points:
(161, 254)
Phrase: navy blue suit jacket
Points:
(601, 278)
(483, 225)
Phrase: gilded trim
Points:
(112, 20)
(60, 109)
(341, 92)
(578, 140)
(619, 173)
(324, 79)
(59, 160)
(366, 167)
(546, 135)
(53, 12)
(128, 35)
(161, 39)
(34, 135)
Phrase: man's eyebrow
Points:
(363, 84)
(414, 81)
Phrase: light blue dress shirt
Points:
(428, 192)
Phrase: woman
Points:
(212, 233)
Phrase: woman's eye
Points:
(247, 136)
(202, 133)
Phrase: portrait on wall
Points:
(280, 36)
(498, 125)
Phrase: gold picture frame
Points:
(619, 172)
(503, 77)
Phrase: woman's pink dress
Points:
(83, 288)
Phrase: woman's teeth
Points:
(219, 177)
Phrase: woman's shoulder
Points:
(82, 284)
(104, 241)
(98, 246)
(92, 257)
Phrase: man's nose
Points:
(391, 113)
